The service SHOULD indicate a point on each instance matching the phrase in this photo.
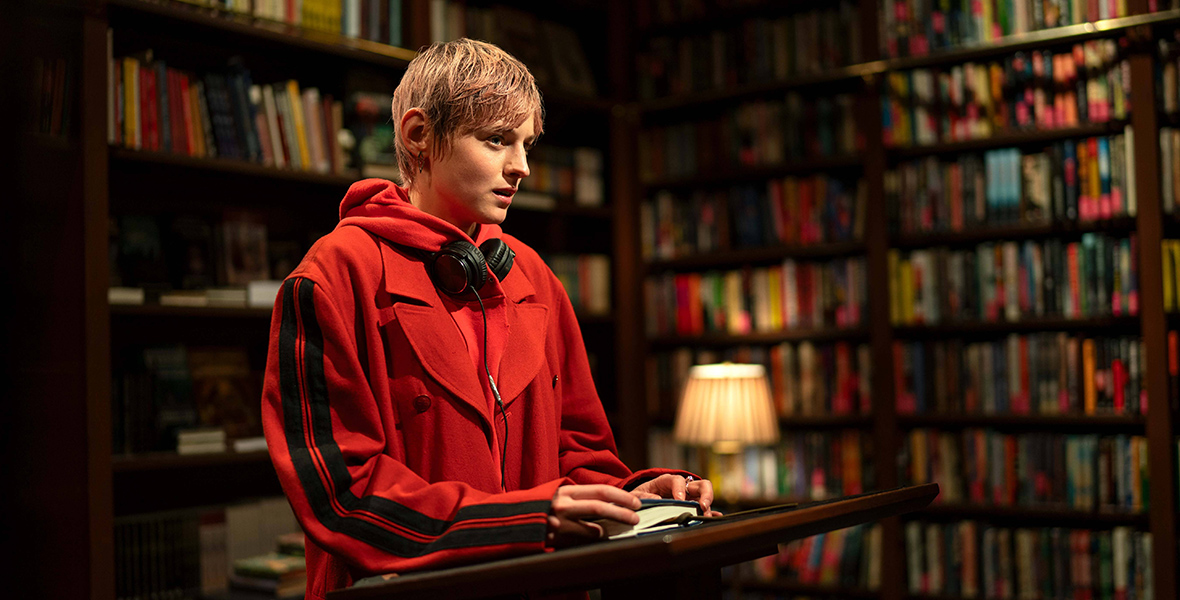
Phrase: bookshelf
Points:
(888, 426)
(78, 343)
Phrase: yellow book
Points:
(988, 19)
(194, 116)
(1090, 395)
(774, 281)
(918, 469)
(894, 267)
(1169, 270)
(1175, 273)
(131, 134)
(300, 129)
(906, 279)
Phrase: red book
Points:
(683, 318)
(905, 401)
(1075, 301)
(696, 309)
(1118, 376)
(1024, 405)
(186, 110)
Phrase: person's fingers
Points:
(702, 491)
(678, 486)
(566, 508)
(643, 495)
(714, 513)
(605, 493)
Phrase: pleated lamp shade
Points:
(726, 406)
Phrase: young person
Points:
(423, 409)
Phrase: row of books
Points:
(191, 553)
(1085, 180)
(975, 560)
(803, 466)
(806, 379)
(793, 295)
(788, 211)
(845, 558)
(1012, 281)
(374, 20)
(754, 51)
(919, 28)
(765, 133)
(51, 100)
(552, 51)
(982, 467)
(163, 109)
(1040, 373)
(1168, 76)
(575, 173)
(161, 392)
(1035, 90)
(1170, 170)
(196, 251)
(586, 278)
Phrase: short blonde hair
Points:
(463, 86)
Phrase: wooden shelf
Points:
(843, 76)
(1008, 140)
(1012, 232)
(122, 157)
(757, 173)
(806, 589)
(157, 461)
(1030, 325)
(282, 34)
(1037, 39)
(764, 255)
(1071, 422)
(1040, 516)
(155, 310)
(770, 337)
(800, 422)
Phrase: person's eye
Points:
(496, 139)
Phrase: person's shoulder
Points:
(338, 256)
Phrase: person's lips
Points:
(505, 192)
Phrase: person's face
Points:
(475, 181)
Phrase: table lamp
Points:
(726, 407)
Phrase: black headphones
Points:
(460, 267)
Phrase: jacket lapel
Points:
(431, 332)
(524, 351)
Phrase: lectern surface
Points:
(674, 556)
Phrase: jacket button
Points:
(422, 403)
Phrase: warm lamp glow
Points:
(726, 406)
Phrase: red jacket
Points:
(377, 422)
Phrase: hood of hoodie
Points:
(383, 208)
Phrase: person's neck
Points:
(424, 199)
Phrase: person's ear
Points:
(414, 134)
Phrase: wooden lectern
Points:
(683, 563)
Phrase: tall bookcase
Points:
(680, 98)
(77, 485)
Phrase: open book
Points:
(661, 514)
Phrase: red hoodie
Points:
(379, 423)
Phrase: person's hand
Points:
(574, 505)
(679, 488)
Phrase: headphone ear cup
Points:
(499, 257)
(458, 267)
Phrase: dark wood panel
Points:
(772, 337)
(1009, 140)
(751, 256)
(977, 234)
(162, 483)
(1128, 325)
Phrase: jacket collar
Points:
(437, 342)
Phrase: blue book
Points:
(165, 118)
